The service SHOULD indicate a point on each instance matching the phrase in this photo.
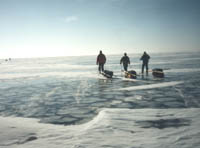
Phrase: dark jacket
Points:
(125, 60)
(145, 58)
(101, 59)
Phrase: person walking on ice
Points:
(101, 60)
(125, 60)
(145, 58)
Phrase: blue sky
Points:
(35, 28)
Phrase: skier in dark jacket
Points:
(145, 58)
(101, 60)
(125, 60)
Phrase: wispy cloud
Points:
(70, 19)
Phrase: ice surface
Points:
(183, 70)
(63, 102)
(151, 86)
(152, 128)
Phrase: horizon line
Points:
(109, 54)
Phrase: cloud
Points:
(70, 19)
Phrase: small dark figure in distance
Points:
(101, 60)
(125, 60)
(145, 58)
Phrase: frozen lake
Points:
(64, 102)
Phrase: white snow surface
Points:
(111, 128)
(151, 86)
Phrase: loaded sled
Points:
(158, 73)
(131, 74)
(107, 73)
